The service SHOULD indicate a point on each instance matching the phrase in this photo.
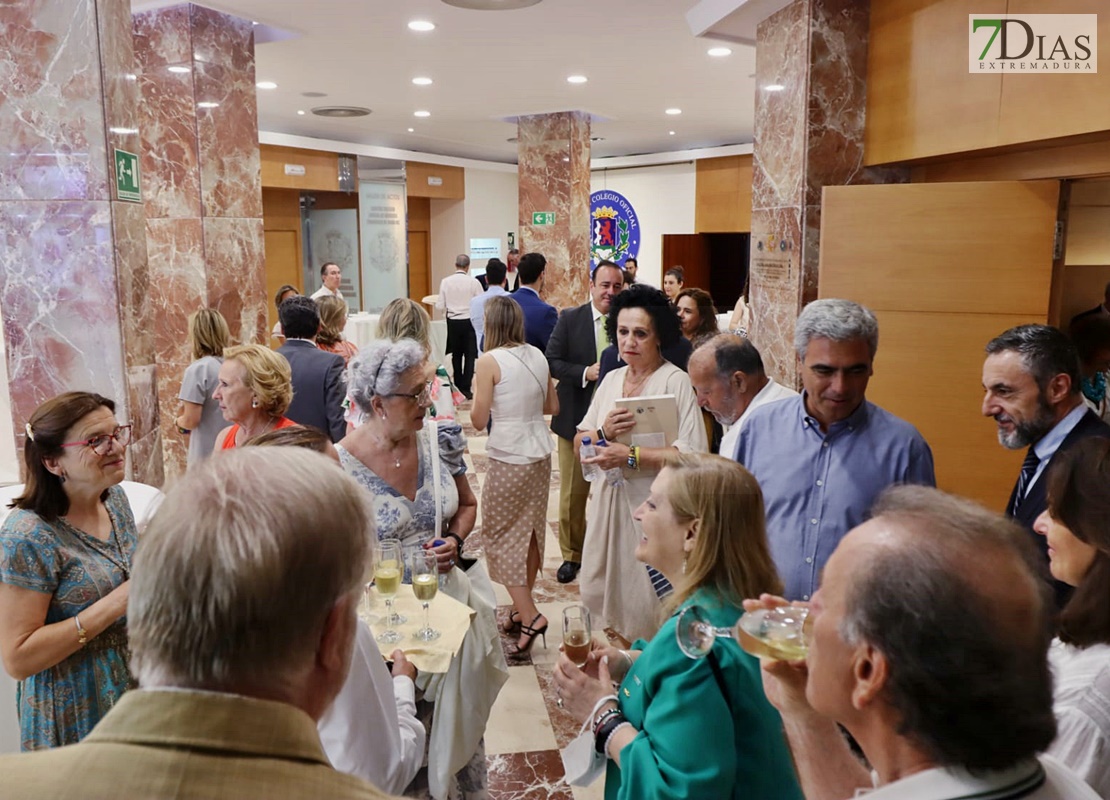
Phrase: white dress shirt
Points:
(768, 394)
(455, 293)
(324, 291)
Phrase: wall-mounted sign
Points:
(127, 177)
(614, 228)
(543, 217)
(435, 181)
(484, 250)
(294, 169)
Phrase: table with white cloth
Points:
(363, 329)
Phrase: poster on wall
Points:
(381, 213)
(333, 236)
(614, 228)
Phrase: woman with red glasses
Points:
(65, 569)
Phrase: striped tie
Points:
(1028, 470)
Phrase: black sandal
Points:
(513, 625)
(531, 632)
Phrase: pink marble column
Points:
(74, 281)
(808, 134)
(553, 155)
(203, 186)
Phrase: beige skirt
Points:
(514, 505)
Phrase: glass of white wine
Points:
(576, 634)
(387, 577)
(425, 584)
(780, 633)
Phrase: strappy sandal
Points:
(513, 623)
(531, 631)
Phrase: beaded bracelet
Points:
(604, 717)
(605, 730)
(612, 733)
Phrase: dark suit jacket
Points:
(318, 387)
(1090, 312)
(539, 318)
(569, 353)
(678, 354)
(187, 746)
(1036, 500)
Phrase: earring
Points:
(254, 403)
(684, 565)
(62, 478)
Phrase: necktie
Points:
(1028, 470)
(601, 338)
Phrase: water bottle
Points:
(614, 476)
(590, 472)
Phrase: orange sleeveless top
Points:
(229, 442)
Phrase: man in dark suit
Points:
(573, 354)
(539, 317)
(1032, 382)
(1101, 308)
(318, 384)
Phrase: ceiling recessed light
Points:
(422, 25)
(422, 81)
(207, 104)
(421, 113)
(179, 70)
(577, 79)
(300, 112)
(670, 133)
(673, 112)
(719, 52)
(773, 87)
(412, 130)
(266, 85)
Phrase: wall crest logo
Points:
(614, 228)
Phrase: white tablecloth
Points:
(363, 329)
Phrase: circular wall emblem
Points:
(614, 228)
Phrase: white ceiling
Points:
(488, 66)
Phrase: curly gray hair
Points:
(378, 367)
(835, 320)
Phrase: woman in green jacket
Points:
(681, 727)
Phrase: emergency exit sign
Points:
(543, 217)
(127, 177)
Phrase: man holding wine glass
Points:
(937, 667)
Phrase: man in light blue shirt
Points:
(823, 458)
(495, 282)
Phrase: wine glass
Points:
(387, 577)
(780, 633)
(425, 584)
(576, 634)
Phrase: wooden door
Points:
(690, 251)
(282, 266)
(420, 275)
(945, 267)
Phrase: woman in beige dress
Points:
(614, 585)
(513, 386)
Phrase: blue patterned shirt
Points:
(818, 486)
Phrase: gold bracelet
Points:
(82, 634)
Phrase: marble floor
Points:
(526, 729)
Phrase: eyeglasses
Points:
(421, 397)
(103, 443)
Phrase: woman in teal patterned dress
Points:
(65, 568)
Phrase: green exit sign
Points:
(127, 177)
(543, 217)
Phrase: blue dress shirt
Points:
(818, 486)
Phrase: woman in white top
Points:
(200, 419)
(514, 386)
(1077, 527)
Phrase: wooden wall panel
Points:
(896, 243)
(921, 101)
(321, 169)
(688, 250)
(929, 371)
(1088, 235)
(1082, 159)
(723, 195)
(419, 214)
(453, 185)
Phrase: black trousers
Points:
(462, 344)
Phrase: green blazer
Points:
(689, 745)
(186, 745)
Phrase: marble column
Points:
(74, 281)
(808, 134)
(553, 155)
(203, 185)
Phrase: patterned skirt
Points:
(514, 505)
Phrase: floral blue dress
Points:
(61, 704)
